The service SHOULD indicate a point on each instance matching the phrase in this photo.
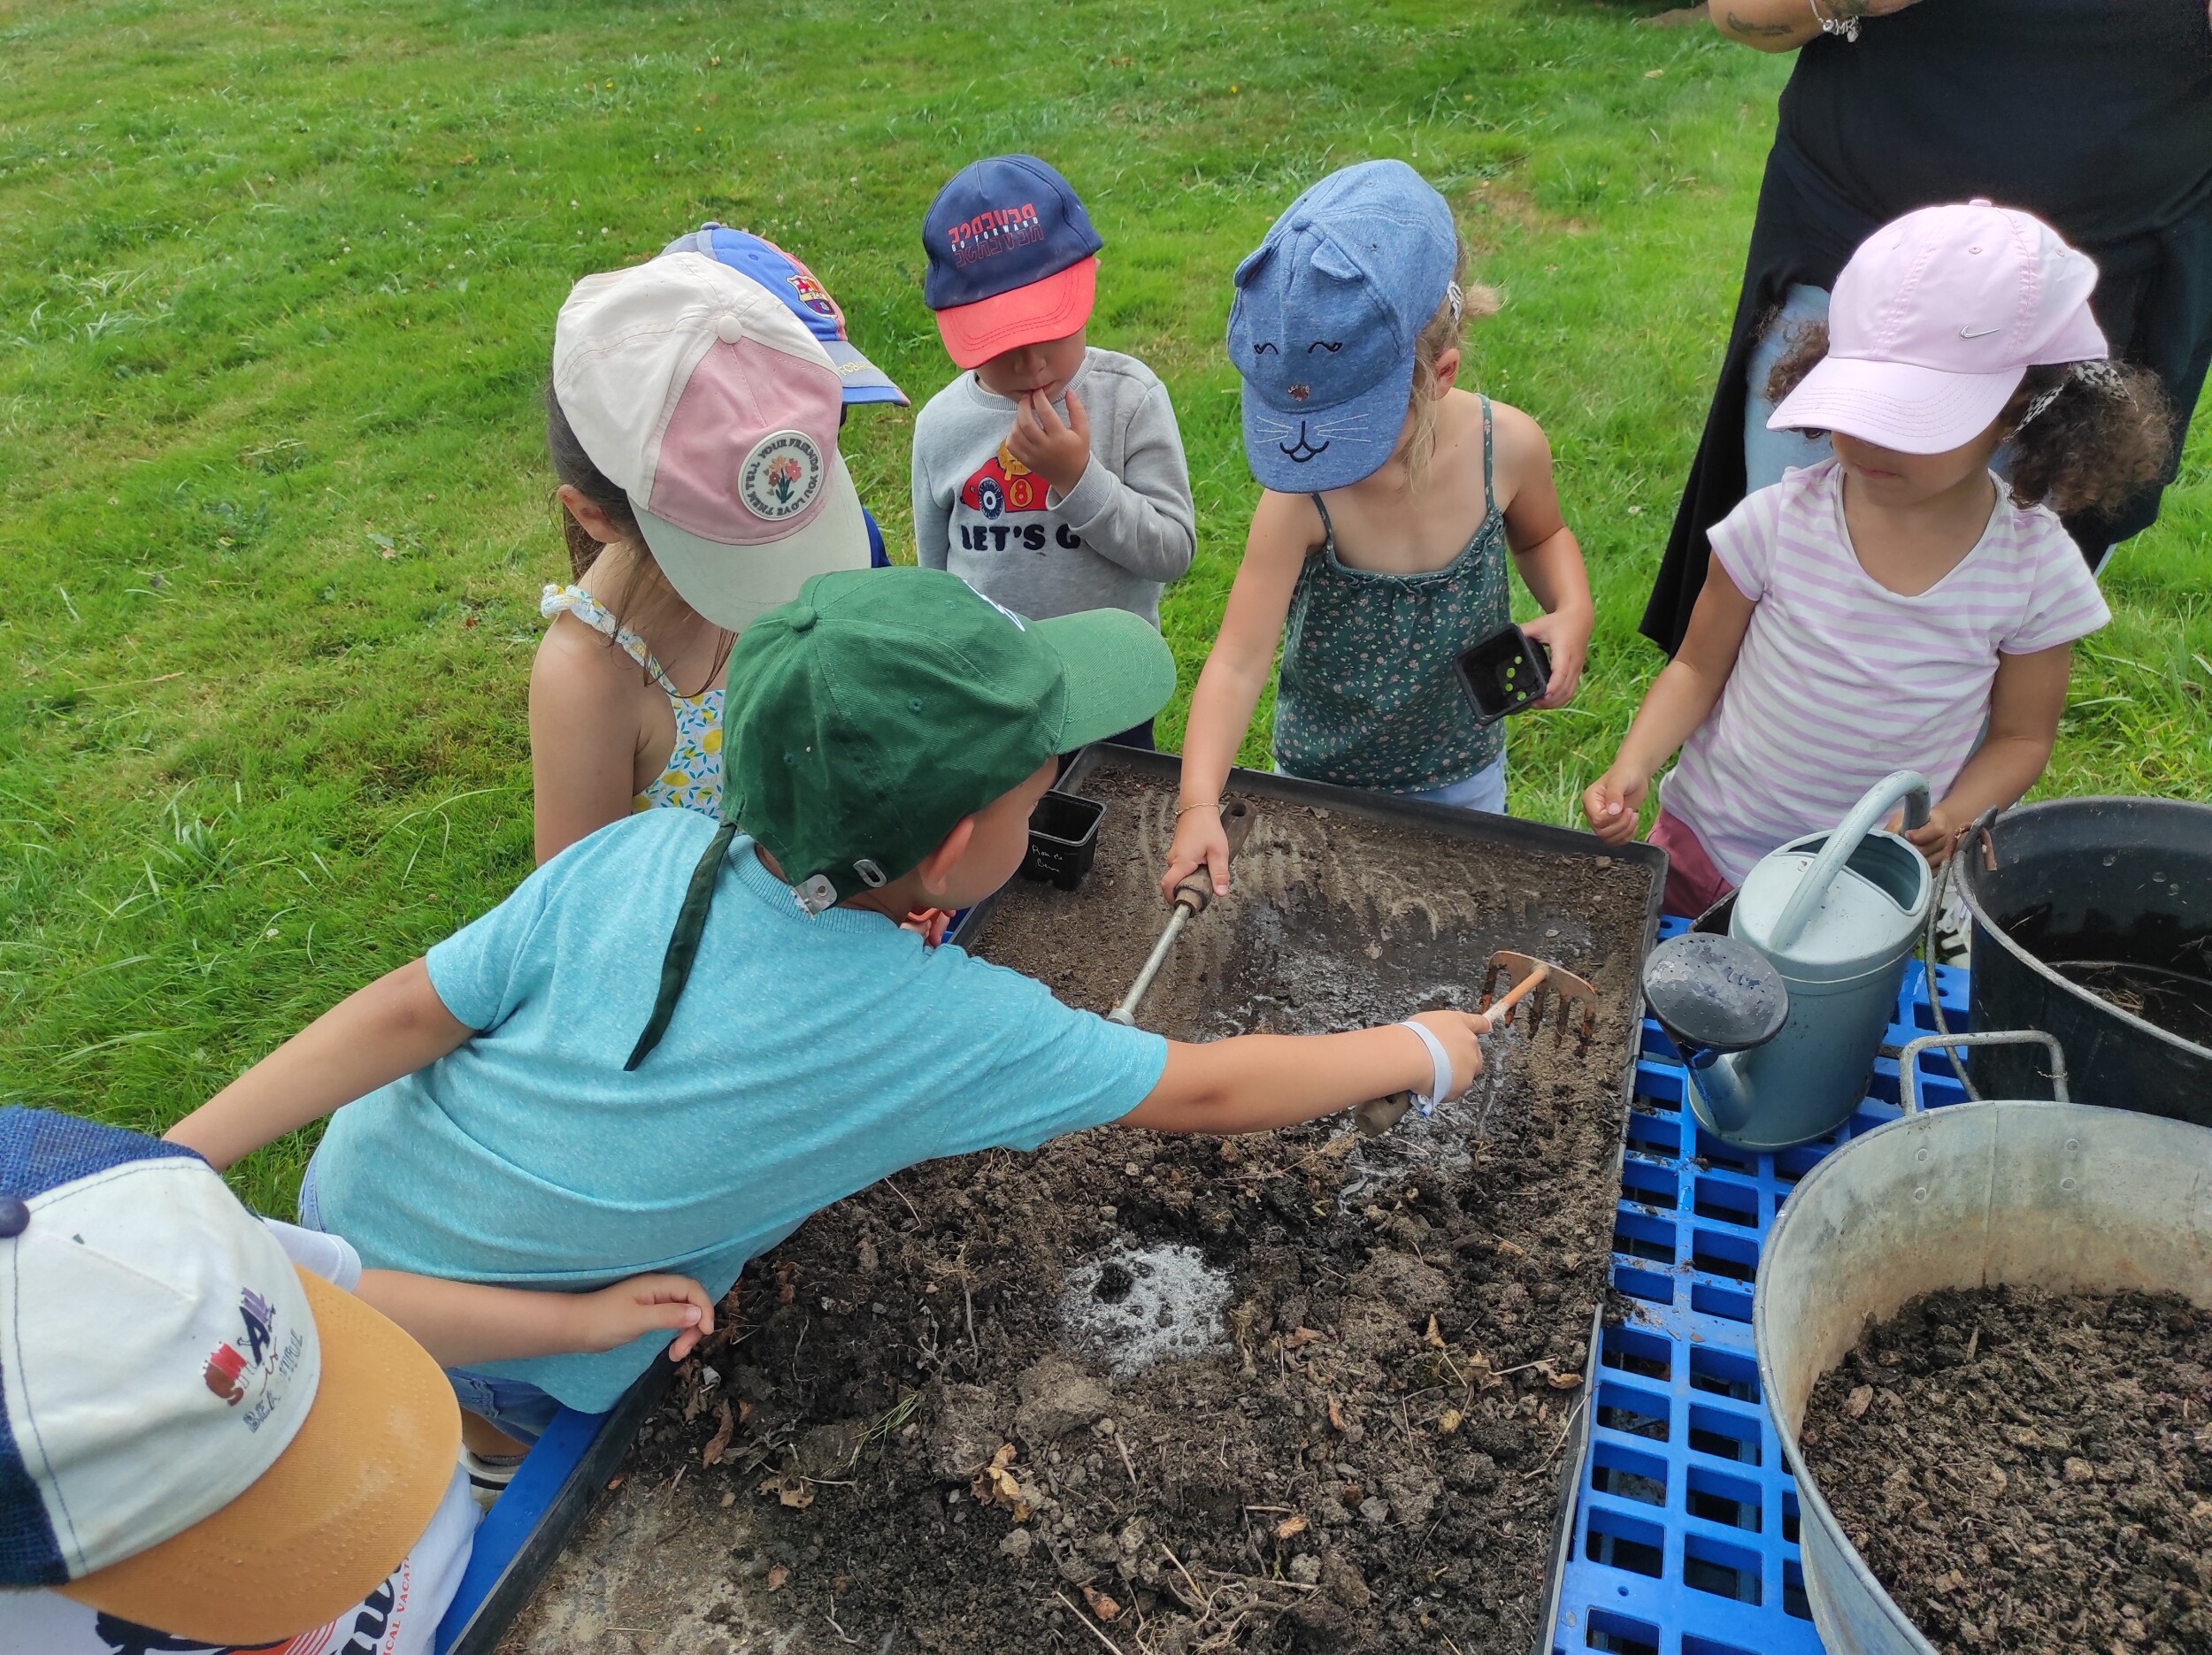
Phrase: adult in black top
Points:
(2095, 115)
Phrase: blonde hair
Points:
(1443, 331)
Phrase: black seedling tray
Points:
(1063, 839)
(1503, 673)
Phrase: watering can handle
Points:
(1909, 1059)
(1910, 785)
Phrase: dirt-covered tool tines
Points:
(1537, 982)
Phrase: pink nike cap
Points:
(705, 400)
(1935, 320)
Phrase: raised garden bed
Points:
(1296, 1392)
(2029, 1472)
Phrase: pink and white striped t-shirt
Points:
(1841, 681)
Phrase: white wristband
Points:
(1441, 1064)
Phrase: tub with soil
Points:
(2029, 1472)
(1298, 1392)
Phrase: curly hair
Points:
(2106, 431)
(1442, 332)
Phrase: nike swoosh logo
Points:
(1978, 333)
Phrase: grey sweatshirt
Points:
(1125, 531)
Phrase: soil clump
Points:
(2026, 1471)
(1297, 1392)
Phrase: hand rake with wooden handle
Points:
(1193, 896)
(1529, 978)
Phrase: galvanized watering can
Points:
(2058, 1196)
(1778, 1022)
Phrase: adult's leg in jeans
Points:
(1768, 454)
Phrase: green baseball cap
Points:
(864, 719)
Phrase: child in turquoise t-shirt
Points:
(674, 1042)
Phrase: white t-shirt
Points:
(400, 1618)
(1840, 680)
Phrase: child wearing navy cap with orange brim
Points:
(1050, 474)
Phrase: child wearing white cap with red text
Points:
(1900, 605)
(692, 423)
(206, 1445)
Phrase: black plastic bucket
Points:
(2095, 925)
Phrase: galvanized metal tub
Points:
(2063, 1196)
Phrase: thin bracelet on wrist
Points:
(1203, 804)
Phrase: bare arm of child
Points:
(2024, 704)
(1679, 700)
(1285, 528)
(373, 1037)
(583, 735)
(1544, 548)
(1253, 1082)
(462, 1323)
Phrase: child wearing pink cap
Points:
(693, 425)
(1899, 605)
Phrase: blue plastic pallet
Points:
(1685, 1537)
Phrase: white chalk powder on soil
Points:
(1139, 1306)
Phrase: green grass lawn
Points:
(277, 288)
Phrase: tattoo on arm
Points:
(1744, 26)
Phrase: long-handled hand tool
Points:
(1192, 896)
(1529, 977)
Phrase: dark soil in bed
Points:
(1300, 1392)
(2029, 1472)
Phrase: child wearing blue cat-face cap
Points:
(1377, 553)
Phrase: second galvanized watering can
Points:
(1780, 1022)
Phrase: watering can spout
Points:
(1716, 998)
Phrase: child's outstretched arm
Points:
(1679, 700)
(373, 1037)
(462, 1323)
(1252, 1083)
(1544, 549)
(1285, 527)
(2025, 703)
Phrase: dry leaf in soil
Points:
(776, 1577)
(724, 1428)
(1448, 1422)
(1336, 1414)
(1300, 1337)
(794, 1490)
(1434, 1338)
(1104, 1607)
(1856, 1403)
(1288, 1527)
(1561, 1382)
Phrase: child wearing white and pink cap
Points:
(693, 425)
(1900, 605)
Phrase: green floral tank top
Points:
(1368, 697)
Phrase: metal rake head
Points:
(1553, 983)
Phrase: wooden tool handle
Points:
(1197, 889)
(1500, 1009)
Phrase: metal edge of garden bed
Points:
(1453, 822)
(505, 1569)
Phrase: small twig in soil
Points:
(1084, 1620)
(832, 1618)
(1205, 1604)
(1566, 1425)
(901, 1195)
(1126, 1463)
(1973, 1341)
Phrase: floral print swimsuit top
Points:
(1368, 697)
(692, 778)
